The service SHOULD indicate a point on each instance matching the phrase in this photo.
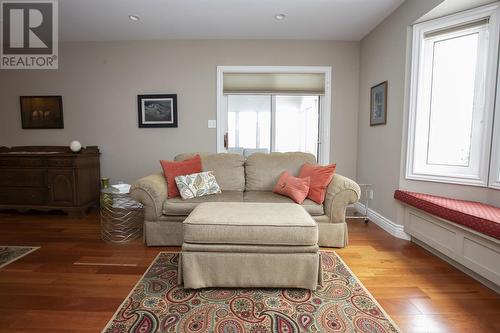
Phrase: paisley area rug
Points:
(341, 304)
(9, 254)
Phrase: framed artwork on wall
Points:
(157, 110)
(378, 104)
(41, 112)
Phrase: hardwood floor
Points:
(75, 281)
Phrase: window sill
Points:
(448, 180)
(494, 185)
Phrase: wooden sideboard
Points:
(49, 178)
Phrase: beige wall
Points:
(385, 55)
(99, 83)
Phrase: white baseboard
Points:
(394, 229)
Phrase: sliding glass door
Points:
(249, 121)
(296, 124)
(273, 122)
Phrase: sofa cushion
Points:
(178, 206)
(228, 169)
(250, 223)
(263, 196)
(263, 170)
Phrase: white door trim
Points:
(325, 113)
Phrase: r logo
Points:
(27, 27)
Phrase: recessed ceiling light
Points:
(134, 17)
(280, 16)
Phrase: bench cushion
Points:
(250, 223)
(477, 216)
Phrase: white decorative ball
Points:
(75, 146)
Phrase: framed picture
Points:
(157, 110)
(378, 104)
(41, 112)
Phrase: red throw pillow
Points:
(292, 187)
(173, 169)
(320, 176)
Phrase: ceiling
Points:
(106, 20)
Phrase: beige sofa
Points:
(243, 180)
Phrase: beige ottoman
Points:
(265, 245)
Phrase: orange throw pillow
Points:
(320, 176)
(173, 169)
(292, 187)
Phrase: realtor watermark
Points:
(29, 36)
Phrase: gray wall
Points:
(385, 55)
(99, 83)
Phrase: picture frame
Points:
(378, 104)
(41, 112)
(157, 110)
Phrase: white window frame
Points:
(480, 178)
(325, 102)
(494, 179)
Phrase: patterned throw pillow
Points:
(197, 185)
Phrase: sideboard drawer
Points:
(23, 178)
(23, 196)
(22, 162)
(60, 162)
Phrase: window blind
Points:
(468, 25)
(274, 83)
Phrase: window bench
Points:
(466, 232)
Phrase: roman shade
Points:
(274, 83)
(469, 25)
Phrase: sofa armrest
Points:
(341, 192)
(151, 191)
